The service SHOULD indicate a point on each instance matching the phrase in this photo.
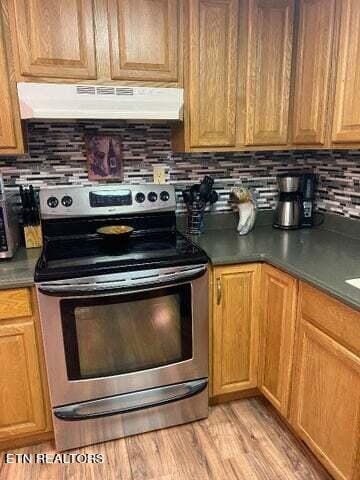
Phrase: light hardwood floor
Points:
(241, 440)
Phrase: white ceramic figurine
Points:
(242, 199)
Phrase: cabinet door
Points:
(326, 400)
(270, 26)
(10, 126)
(144, 39)
(235, 328)
(313, 68)
(22, 408)
(277, 332)
(54, 38)
(212, 72)
(346, 123)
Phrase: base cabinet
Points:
(299, 347)
(235, 328)
(277, 333)
(325, 399)
(24, 409)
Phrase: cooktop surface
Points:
(77, 256)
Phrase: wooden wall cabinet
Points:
(11, 141)
(103, 40)
(277, 334)
(346, 121)
(313, 61)
(235, 328)
(143, 36)
(24, 405)
(212, 75)
(325, 400)
(270, 27)
(54, 38)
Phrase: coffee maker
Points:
(295, 208)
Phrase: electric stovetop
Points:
(86, 255)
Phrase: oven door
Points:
(121, 333)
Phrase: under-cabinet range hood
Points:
(71, 101)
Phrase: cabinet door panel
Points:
(269, 70)
(235, 328)
(277, 332)
(144, 39)
(54, 38)
(326, 400)
(313, 67)
(21, 397)
(346, 126)
(213, 72)
(10, 127)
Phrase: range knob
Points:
(67, 201)
(140, 197)
(152, 197)
(52, 202)
(164, 196)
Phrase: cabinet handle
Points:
(218, 287)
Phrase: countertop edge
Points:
(300, 275)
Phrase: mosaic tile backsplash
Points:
(57, 157)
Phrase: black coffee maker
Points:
(295, 208)
(307, 189)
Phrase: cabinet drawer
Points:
(15, 303)
(333, 317)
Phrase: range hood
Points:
(71, 101)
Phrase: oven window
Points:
(120, 334)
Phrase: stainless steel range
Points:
(125, 328)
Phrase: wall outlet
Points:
(159, 174)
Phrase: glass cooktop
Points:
(90, 255)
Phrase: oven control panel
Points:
(115, 199)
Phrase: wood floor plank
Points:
(215, 467)
(241, 440)
(151, 456)
(187, 452)
(303, 464)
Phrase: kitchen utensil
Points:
(24, 204)
(195, 193)
(208, 181)
(187, 197)
(34, 211)
(31, 218)
(213, 197)
(205, 191)
(196, 199)
(115, 236)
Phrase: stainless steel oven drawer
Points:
(75, 433)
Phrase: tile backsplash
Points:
(57, 157)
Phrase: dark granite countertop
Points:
(321, 256)
(19, 271)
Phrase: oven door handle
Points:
(123, 282)
(130, 402)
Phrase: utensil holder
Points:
(196, 218)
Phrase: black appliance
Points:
(295, 208)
